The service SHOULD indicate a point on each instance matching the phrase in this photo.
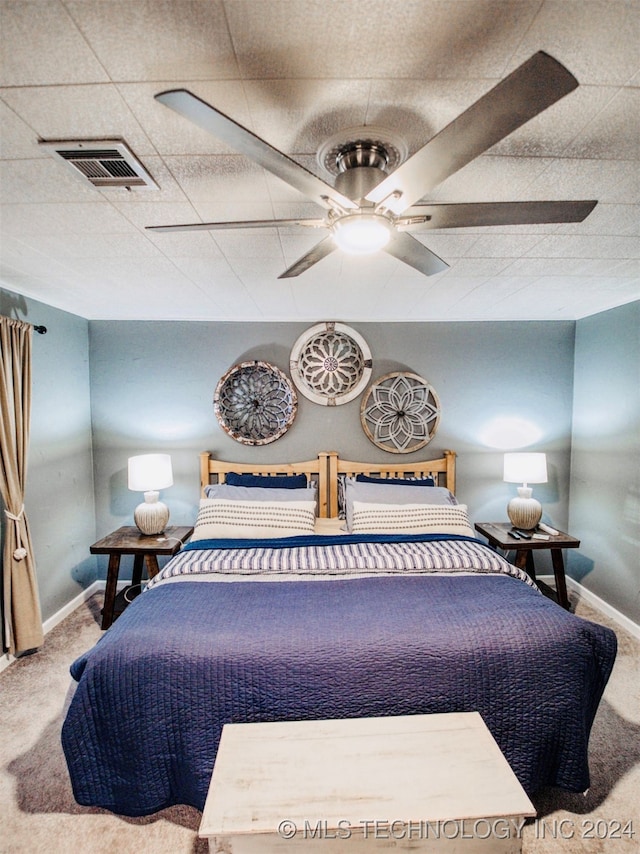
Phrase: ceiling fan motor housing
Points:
(357, 181)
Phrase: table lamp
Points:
(149, 473)
(524, 511)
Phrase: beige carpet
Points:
(38, 813)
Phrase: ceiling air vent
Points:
(104, 163)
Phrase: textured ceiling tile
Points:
(568, 267)
(491, 179)
(179, 245)
(77, 218)
(551, 133)
(28, 181)
(297, 209)
(613, 181)
(283, 192)
(447, 245)
(580, 33)
(170, 132)
(205, 272)
(450, 291)
(144, 213)
(151, 273)
(233, 211)
(78, 112)
(218, 286)
(607, 219)
(298, 116)
(17, 140)
(630, 267)
(489, 296)
(496, 245)
(614, 133)
(158, 39)
(255, 269)
(67, 248)
(478, 267)
(586, 246)
(220, 177)
(30, 262)
(279, 302)
(40, 44)
(401, 38)
(257, 243)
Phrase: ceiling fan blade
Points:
(245, 142)
(531, 88)
(406, 248)
(319, 251)
(252, 223)
(466, 215)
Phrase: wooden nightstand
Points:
(498, 535)
(129, 541)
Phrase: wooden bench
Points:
(417, 782)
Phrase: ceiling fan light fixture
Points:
(361, 234)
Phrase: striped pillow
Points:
(411, 519)
(219, 518)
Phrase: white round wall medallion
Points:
(255, 403)
(330, 363)
(400, 412)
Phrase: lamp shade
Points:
(525, 468)
(150, 472)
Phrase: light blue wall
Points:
(59, 494)
(605, 480)
(152, 388)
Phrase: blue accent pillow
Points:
(290, 481)
(397, 481)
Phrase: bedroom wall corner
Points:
(59, 496)
(605, 467)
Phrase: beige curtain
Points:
(21, 605)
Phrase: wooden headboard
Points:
(442, 470)
(325, 470)
(316, 470)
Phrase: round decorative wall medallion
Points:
(400, 413)
(255, 403)
(330, 363)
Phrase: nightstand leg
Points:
(136, 576)
(561, 584)
(524, 560)
(110, 592)
(152, 565)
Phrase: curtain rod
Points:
(41, 330)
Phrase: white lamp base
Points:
(152, 515)
(524, 511)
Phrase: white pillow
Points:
(411, 519)
(219, 518)
(391, 493)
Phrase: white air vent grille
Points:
(104, 163)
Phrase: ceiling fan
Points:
(369, 209)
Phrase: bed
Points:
(283, 610)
